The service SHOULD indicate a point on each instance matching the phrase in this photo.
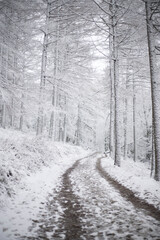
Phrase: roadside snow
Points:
(108, 215)
(136, 177)
(30, 169)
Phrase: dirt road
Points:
(88, 205)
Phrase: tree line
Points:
(50, 84)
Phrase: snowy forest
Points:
(79, 119)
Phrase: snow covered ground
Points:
(33, 190)
(30, 170)
(86, 206)
(136, 177)
(108, 215)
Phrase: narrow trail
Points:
(63, 216)
(88, 205)
(71, 223)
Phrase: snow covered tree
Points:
(151, 7)
(43, 72)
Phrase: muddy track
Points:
(69, 225)
(71, 220)
(128, 194)
(93, 214)
(73, 213)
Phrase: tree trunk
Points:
(117, 125)
(134, 122)
(111, 130)
(21, 121)
(125, 117)
(21, 113)
(53, 118)
(64, 128)
(4, 115)
(51, 125)
(52, 129)
(155, 89)
(78, 127)
(12, 106)
(153, 156)
(43, 75)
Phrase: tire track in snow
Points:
(128, 194)
(111, 216)
(71, 219)
(71, 223)
(64, 213)
(86, 206)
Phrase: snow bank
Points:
(136, 177)
(30, 170)
(23, 154)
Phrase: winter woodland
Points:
(79, 78)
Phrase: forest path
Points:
(86, 206)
